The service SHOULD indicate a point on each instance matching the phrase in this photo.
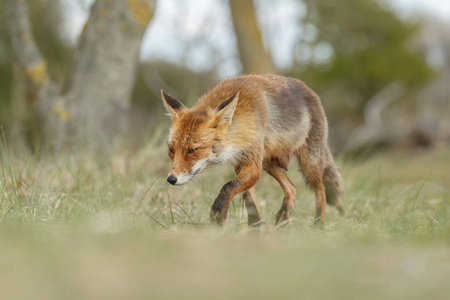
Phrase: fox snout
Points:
(179, 176)
(179, 179)
(172, 179)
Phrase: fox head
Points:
(196, 137)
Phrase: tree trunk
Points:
(254, 57)
(92, 110)
(42, 90)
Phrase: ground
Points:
(72, 227)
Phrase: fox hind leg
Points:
(254, 217)
(290, 192)
(312, 167)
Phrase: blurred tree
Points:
(16, 116)
(253, 56)
(90, 109)
(358, 48)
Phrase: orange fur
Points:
(254, 122)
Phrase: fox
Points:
(255, 123)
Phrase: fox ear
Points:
(172, 105)
(226, 109)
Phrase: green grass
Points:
(72, 227)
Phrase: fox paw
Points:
(254, 220)
(218, 217)
(282, 216)
(319, 223)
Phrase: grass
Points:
(72, 227)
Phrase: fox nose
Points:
(172, 179)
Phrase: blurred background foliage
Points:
(351, 53)
(371, 48)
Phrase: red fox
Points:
(255, 122)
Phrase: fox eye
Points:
(192, 150)
(171, 150)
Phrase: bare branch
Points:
(378, 129)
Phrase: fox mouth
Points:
(196, 172)
(181, 183)
(183, 179)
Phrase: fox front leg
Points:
(247, 177)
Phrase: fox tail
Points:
(333, 184)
